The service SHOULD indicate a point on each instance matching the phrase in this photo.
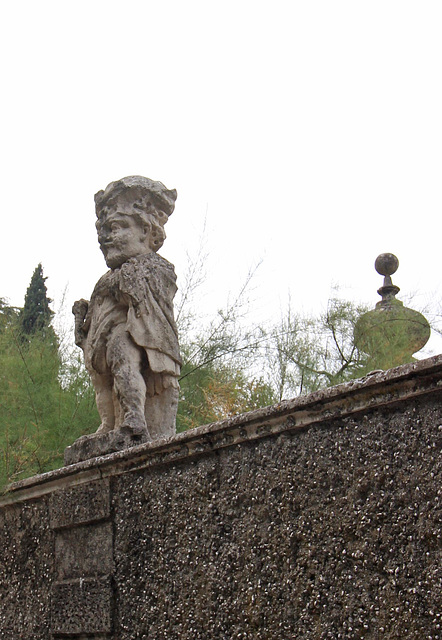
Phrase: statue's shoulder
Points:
(149, 271)
(151, 263)
(155, 259)
(103, 283)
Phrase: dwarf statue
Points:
(127, 330)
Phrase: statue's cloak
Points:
(139, 293)
(150, 283)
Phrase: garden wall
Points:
(317, 518)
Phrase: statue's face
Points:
(121, 236)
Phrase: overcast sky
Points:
(307, 134)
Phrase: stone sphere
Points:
(386, 264)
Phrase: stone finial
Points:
(386, 264)
(391, 333)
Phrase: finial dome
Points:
(391, 333)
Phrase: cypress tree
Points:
(36, 314)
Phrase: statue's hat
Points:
(139, 187)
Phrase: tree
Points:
(217, 379)
(46, 399)
(36, 314)
(307, 353)
(218, 390)
(46, 402)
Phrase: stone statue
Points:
(127, 331)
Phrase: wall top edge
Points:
(374, 390)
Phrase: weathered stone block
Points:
(82, 607)
(79, 505)
(84, 551)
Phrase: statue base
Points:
(101, 444)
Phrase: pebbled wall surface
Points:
(332, 533)
(26, 570)
(332, 530)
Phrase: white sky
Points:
(308, 132)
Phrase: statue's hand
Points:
(80, 308)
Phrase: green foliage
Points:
(8, 314)
(40, 414)
(210, 393)
(216, 380)
(46, 399)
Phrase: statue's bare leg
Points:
(105, 404)
(125, 360)
(161, 412)
(119, 417)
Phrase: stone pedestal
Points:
(100, 444)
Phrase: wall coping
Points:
(375, 390)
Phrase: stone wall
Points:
(316, 518)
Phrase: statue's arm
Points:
(79, 310)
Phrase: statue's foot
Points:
(135, 430)
(136, 426)
(104, 428)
